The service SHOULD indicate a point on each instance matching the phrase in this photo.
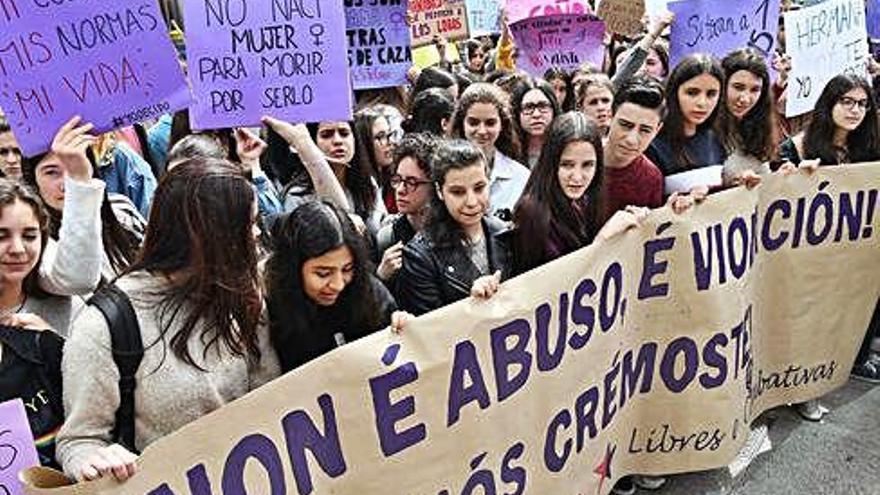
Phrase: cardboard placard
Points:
(622, 16)
(429, 18)
(650, 353)
(110, 62)
(564, 41)
(284, 58)
(518, 10)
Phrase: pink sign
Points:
(564, 41)
(17, 449)
(518, 10)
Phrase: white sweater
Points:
(169, 393)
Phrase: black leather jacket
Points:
(433, 276)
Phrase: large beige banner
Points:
(650, 354)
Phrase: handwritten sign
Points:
(285, 58)
(824, 40)
(483, 16)
(518, 10)
(17, 450)
(565, 41)
(873, 19)
(110, 62)
(379, 52)
(447, 18)
(651, 352)
(622, 16)
(720, 26)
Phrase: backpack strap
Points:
(128, 351)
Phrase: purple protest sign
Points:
(110, 62)
(721, 26)
(518, 10)
(379, 53)
(564, 41)
(873, 19)
(17, 449)
(285, 58)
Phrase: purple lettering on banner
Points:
(282, 58)
(565, 41)
(110, 62)
(518, 10)
(873, 19)
(379, 52)
(17, 450)
(720, 26)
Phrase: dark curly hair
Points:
(507, 142)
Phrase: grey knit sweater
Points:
(169, 393)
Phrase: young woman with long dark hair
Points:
(844, 128)
(431, 111)
(196, 294)
(375, 143)
(687, 140)
(560, 80)
(321, 290)
(459, 248)
(534, 107)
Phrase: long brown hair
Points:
(507, 142)
(10, 192)
(200, 234)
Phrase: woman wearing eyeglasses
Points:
(10, 153)
(412, 191)
(534, 108)
(844, 127)
(374, 139)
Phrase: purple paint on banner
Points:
(379, 53)
(518, 10)
(17, 449)
(874, 19)
(720, 26)
(113, 63)
(247, 59)
(564, 41)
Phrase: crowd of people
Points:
(232, 256)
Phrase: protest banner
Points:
(824, 40)
(650, 352)
(518, 10)
(564, 41)
(720, 26)
(429, 18)
(622, 16)
(873, 19)
(285, 58)
(17, 449)
(379, 52)
(483, 16)
(110, 62)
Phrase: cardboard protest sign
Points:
(483, 16)
(824, 40)
(17, 449)
(565, 41)
(110, 62)
(721, 26)
(518, 10)
(622, 16)
(379, 51)
(429, 18)
(285, 58)
(650, 352)
(873, 19)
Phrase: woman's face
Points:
(536, 113)
(414, 189)
(698, 97)
(465, 193)
(597, 104)
(336, 140)
(482, 126)
(577, 167)
(476, 60)
(743, 92)
(325, 277)
(560, 89)
(10, 156)
(20, 242)
(653, 65)
(850, 109)
(382, 146)
(50, 181)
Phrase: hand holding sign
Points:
(70, 145)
